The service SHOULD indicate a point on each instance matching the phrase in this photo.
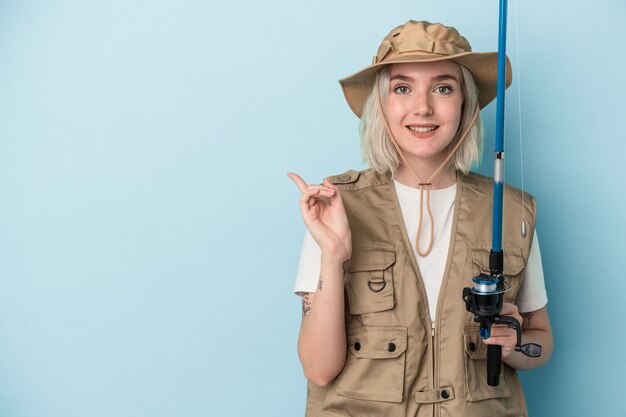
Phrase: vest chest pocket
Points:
(514, 264)
(375, 366)
(369, 279)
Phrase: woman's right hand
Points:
(325, 216)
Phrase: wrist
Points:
(339, 251)
(336, 258)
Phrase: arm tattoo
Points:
(527, 316)
(306, 305)
(344, 267)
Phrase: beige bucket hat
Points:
(426, 42)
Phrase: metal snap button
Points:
(357, 346)
(344, 177)
(472, 347)
(391, 347)
(445, 394)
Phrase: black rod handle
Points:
(494, 363)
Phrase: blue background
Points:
(149, 235)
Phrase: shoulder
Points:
(477, 192)
(481, 184)
(356, 180)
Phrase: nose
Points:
(422, 105)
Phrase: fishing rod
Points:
(486, 297)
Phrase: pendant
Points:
(524, 230)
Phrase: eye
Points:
(444, 89)
(401, 89)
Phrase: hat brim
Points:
(482, 65)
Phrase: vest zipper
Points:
(442, 289)
(434, 381)
(435, 367)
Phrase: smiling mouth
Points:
(422, 129)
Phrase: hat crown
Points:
(417, 42)
(422, 38)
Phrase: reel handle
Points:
(532, 350)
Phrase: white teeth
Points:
(422, 129)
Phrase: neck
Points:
(445, 178)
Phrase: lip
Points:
(424, 131)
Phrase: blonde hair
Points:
(377, 147)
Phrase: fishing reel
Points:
(485, 300)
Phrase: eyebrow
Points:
(437, 78)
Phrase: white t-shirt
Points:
(532, 293)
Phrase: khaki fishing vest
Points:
(397, 365)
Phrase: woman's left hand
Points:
(502, 335)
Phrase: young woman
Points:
(385, 331)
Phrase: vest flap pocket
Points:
(374, 368)
(475, 367)
(474, 347)
(514, 262)
(372, 258)
(369, 279)
(377, 342)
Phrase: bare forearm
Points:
(322, 340)
(520, 361)
(536, 329)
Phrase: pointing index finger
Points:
(302, 185)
